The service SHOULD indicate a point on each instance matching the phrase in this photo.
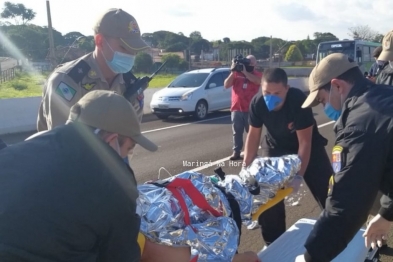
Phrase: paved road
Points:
(184, 139)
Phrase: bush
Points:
(143, 63)
(293, 54)
(17, 85)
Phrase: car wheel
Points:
(162, 116)
(201, 110)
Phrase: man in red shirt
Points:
(245, 85)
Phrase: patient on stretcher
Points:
(194, 217)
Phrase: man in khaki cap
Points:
(386, 73)
(70, 196)
(361, 158)
(117, 40)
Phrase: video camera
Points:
(240, 61)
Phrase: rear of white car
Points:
(196, 92)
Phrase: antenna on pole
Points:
(52, 57)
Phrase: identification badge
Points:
(244, 85)
(336, 158)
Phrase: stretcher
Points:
(294, 238)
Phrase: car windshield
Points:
(189, 80)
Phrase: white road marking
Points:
(186, 124)
(215, 163)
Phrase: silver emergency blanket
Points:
(211, 238)
(271, 174)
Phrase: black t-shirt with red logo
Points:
(282, 125)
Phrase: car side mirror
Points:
(212, 85)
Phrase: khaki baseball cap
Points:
(120, 24)
(110, 112)
(327, 69)
(387, 47)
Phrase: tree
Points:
(172, 60)
(196, 35)
(70, 37)
(86, 44)
(143, 63)
(198, 45)
(364, 32)
(293, 54)
(18, 12)
(322, 37)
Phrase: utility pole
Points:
(271, 52)
(189, 54)
(52, 56)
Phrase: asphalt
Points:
(186, 144)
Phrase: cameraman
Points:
(245, 82)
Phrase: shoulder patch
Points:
(89, 86)
(65, 91)
(336, 158)
(92, 74)
(79, 71)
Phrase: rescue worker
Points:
(386, 73)
(117, 40)
(362, 157)
(69, 196)
(290, 130)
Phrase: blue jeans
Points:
(239, 125)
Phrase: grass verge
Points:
(30, 85)
(159, 80)
(23, 85)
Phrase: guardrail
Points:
(9, 74)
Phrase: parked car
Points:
(196, 92)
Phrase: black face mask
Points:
(249, 69)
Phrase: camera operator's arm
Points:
(229, 81)
(250, 76)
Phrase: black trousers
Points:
(317, 177)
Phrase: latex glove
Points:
(295, 184)
(376, 231)
(300, 258)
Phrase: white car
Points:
(196, 92)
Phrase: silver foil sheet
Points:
(271, 174)
(162, 219)
(212, 238)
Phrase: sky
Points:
(216, 19)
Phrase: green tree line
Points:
(33, 42)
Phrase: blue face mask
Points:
(121, 63)
(272, 101)
(330, 111)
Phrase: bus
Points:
(359, 50)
